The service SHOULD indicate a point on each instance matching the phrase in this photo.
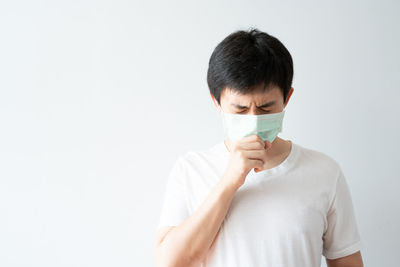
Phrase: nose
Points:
(253, 111)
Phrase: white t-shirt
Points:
(289, 215)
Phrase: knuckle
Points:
(245, 165)
(235, 147)
(254, 137)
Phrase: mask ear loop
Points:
(281, 128)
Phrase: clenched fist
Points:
(245, 154)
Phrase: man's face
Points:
(254, 103)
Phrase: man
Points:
(255, 199)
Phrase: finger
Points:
(254, 154)
(267, 144)
(253, 137)
(253, 145)
(256, 164)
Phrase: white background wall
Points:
(99, 98)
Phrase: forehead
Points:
(257, 95)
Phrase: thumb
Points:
(267, 144)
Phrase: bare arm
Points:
(353, 260)
(188, 243)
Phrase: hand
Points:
(247, 153)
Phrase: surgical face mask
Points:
(267, 126)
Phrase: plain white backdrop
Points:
(99, 98)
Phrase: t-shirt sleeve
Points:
(341, 237)
(174, 208)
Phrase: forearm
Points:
(353, 260)
(188, 243)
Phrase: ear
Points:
(215, 102)
(288, 96)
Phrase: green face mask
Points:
(267, 126)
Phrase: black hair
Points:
(246, 59)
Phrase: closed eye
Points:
(244, 111)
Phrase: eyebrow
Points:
(265, 105)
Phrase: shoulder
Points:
(198, 157)
(318, 160)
